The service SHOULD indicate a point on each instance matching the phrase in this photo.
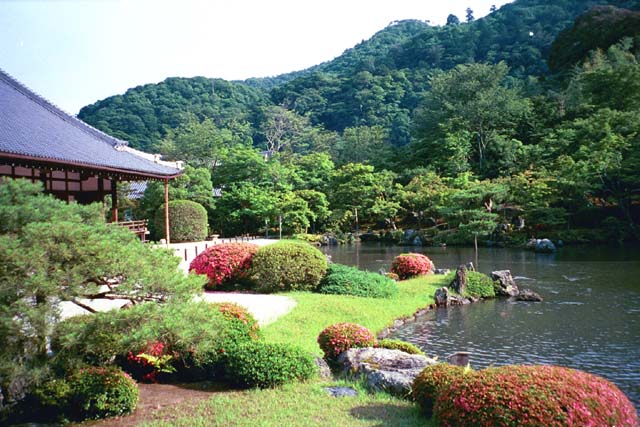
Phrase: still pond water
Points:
(589, 320)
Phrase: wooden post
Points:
(166, 211)
(114, 200)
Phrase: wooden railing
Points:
(139, 227)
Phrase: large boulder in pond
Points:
(541, 245)
(528, 295)
(444, 298)
(505, 285)
(384, 369)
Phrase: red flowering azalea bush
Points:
(340, 337)
(224, 263)
(410, 265)
(428, 384)
(150, 362)
(548, 396)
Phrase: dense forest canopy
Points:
(528, 113)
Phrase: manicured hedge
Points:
(188, 221)
(266, 365)
(287, 266)
(531, 396)
(345, 280)
(224, 264)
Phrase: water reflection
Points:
(589, 319)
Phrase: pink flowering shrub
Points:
(340, 337)
(549, 396)
(410, 265)
(224, 263)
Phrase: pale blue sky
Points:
(75, 52)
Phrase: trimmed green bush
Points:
(407, 347)
(430, 382)
(346, 280)
(340, 337)
(51, 399)
(529, 396)
(479, 285)
(188, 221)
(101, 392)
(266, 365)
(287, 266)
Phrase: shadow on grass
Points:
(388, 414)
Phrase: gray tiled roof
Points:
(33, 127)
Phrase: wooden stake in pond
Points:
(475, 246)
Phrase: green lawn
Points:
(315, 312)
(295, 405)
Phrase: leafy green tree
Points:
(424, 196)
(244, 207)
(452, 19)
(469, 15)
(471, 100)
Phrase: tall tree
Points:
(469, 14)
(472, 107)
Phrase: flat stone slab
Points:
(341, 391)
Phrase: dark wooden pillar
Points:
(166, 211)
(114, 200)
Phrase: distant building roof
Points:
(33, 129)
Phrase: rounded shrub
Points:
(224, 264)
(407, 347)
(530, 396)
(286, 266)
(430, 382)
(150, 362)
(266, 365)
(237, 313)
(101, 392)
(188, 221)
(410, 265)
(345, 280)
(51, 399)
(340, 337)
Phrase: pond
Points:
(589, 320)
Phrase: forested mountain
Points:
(144, 114)
(463, 127)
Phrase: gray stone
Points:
(459, 283)
(341, 391)
(529, 296)
(506, 285)
(417, 241)
(470, 266)
(444, 297)
(384, 369)
(441, 271)
(323, 368)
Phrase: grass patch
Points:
(296, 405)
(315, 312)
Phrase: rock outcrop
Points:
(506, 286)
(383, 369)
